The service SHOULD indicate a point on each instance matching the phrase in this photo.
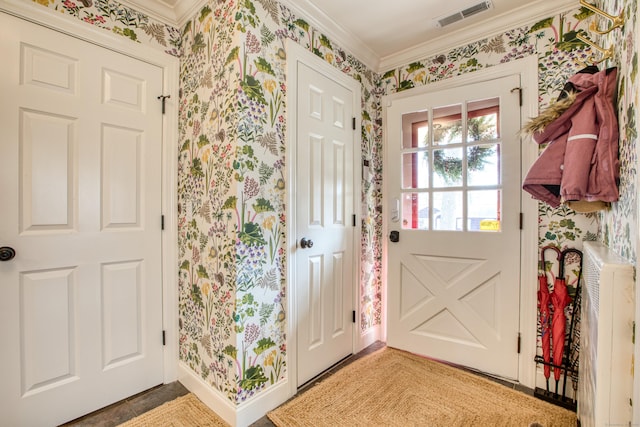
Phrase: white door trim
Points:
(170, 66)
(295, 54)
(528, 70)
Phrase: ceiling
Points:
(385, 34)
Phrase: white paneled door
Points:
(80, 203)
(325, 222)
(453, 197)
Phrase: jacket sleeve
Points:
(579, 152)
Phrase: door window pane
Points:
(483, 210)
(415, 211)
(482, 120)
(447, 125)
(447, 167)
(415, 170)
(415, 127)
(483, 166)
(447, 210)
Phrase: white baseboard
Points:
(237, 416)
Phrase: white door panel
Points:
(324, 206)
(80, 194)
(453, 172)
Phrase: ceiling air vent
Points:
(465, 13)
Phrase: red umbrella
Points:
(543, 308)
(560, 299)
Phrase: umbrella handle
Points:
(562, 257)
(543, 250)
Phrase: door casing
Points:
(527, 68)
(170, 67)
(296, 54)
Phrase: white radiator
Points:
(605, 385)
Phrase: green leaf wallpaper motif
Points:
(231, 163)
(232, 191)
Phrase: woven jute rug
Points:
(185, 411)
(394, 388)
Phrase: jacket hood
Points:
(579, 82)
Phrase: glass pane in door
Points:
(483, 166)
(482, 119)
(483, 210)
(415, 211)
(447, 125)
(447, 210)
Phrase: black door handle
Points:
(7, 253)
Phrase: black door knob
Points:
(7, 253)
(306, 243)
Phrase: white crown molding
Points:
(184, 10)
(513, 19)
(175, 16)
(347, 40)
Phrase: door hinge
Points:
(519, 89)
(353, 316)
(163, 98)
(519, 342)
(162, 222)
(521, 220)
(164, 338)
(633, 333)
(354, 220)
(354, 123)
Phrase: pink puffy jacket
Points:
(581, 160)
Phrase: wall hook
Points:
(617, 21)
(606, 53)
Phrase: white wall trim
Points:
(324, 23)
(527, 68)
(170, 65)
(241, 415)
(524, 15)
(296, 54)
(470, 33)
(175, 15)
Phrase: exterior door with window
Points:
(453, 194)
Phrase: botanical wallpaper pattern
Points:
(232, 165)
(232, 191)
(619, 226)
(121, 20)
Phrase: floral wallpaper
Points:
(232, 192)
(232, 165)
(121, 20)
(619, 225)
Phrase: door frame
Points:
(170, 70)
(527, 68)
(297, 54)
